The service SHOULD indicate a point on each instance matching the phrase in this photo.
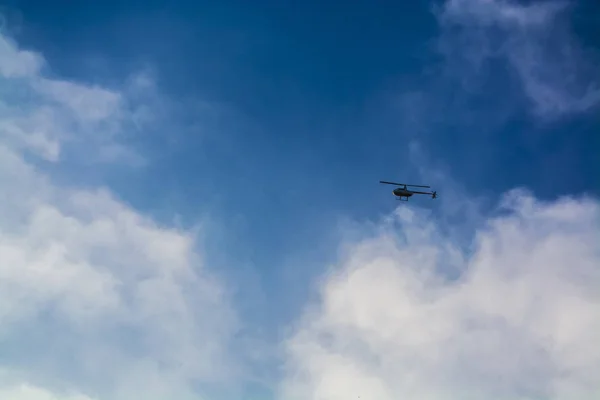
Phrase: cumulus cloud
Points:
(557, 74)
(520, 322)
(96, 300)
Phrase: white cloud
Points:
(521, 322)
(556, 73)
(88, 103)
(46, 115)
(16, 63)
(95, 298)
(27, 392)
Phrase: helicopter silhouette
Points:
(403, 192)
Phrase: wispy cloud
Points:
(557, 74)
(518, 323)
(48, 115)
(29, 392)
(96, 299)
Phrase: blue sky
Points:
(259, 132)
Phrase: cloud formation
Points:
(520, 322)
(557, 74)
(45, 116)
(96, 300)
(27, 392)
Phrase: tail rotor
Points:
(434, 195)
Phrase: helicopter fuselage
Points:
(401, 192)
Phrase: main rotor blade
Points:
(392, 183)
(403, 184)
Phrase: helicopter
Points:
(403, 193)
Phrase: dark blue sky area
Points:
(313, 78)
